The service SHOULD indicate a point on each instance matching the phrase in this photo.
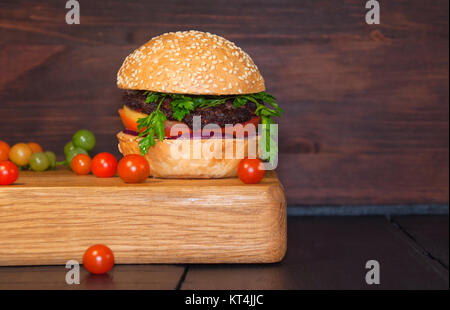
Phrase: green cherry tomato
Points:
(84, 138)
(39, 162)
(68, 147)
(74, 152)
(51, 158)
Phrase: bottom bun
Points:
(174, 158)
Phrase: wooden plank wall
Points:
(367, 107)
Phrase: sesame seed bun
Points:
(163, 163)
(190, 62)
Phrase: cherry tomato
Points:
(8, 172)
(74, 152)
(249, 170)
(104, 165)
(39, 162)
(98, 259)
(133, 168)
(84, 138)
(81, 164)
(68, 147)
(51, 159)
(4, 150)
(20, 154)
(36, 148)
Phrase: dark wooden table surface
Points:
(323, 253)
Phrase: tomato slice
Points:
(129, 121)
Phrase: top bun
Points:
(190, 62)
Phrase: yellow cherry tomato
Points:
(20, 154)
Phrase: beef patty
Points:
(221, 114)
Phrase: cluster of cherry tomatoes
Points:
(28, 156)
(23, 156)
(131, 168)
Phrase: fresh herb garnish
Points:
(266, 114)
(148, 126)
(182, 105)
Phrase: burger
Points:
(177, 85)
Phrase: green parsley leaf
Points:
(182, 107)
(151, 97)
(148, 126)
(239, 102)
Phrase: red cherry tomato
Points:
(104, 165)
(8, 172)
(249, 170)
(133, 168)
(98, 259)
(81, 164)
(4, 150)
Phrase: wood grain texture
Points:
(366, 106)
(120, 277)
(51, 217)
(431, 233)
(326, 253)
(331, 253)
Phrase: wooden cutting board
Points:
(51, 217)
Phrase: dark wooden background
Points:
(367, 106)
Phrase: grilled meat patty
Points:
(221, 114)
